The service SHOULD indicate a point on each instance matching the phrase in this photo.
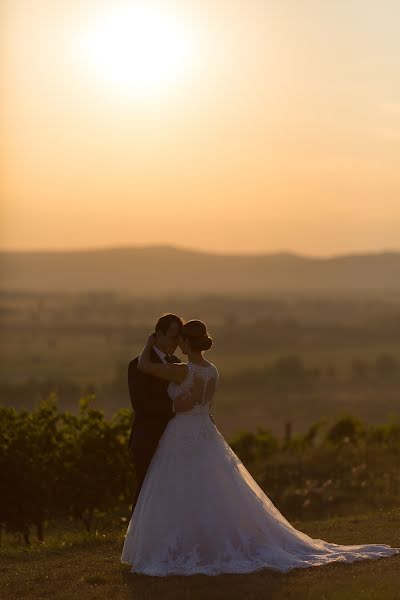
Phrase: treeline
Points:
(270, 322)
(290, 372)
(55, 464)
(271, 334)
(233, 310)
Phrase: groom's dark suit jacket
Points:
(152, 406)
(153, 410)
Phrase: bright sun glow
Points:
(138, 47)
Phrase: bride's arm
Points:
(169, 371)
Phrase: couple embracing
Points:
(197, 509)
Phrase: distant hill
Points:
(149, 270)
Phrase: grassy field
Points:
(76, 565)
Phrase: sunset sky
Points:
(231, 126)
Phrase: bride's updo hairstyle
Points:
(195, 332)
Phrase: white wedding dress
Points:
(200, 511)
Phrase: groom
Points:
(150, 401)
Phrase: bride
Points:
(199, 509)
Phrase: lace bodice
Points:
(199, 383)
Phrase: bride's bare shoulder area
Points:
(211, 365)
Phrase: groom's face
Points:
(168, 342)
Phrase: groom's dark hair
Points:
(165, 321)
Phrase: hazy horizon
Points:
(181, 248)
(239, 128)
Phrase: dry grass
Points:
(74, 565)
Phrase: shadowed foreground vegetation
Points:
(67, 482)
(54, 464)
(72, 564)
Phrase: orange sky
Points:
(279, 130)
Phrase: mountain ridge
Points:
(167, 268)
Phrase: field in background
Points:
(79, 341)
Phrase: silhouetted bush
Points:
(55, 464)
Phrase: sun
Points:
(139, 48)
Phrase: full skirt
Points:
(200, 511)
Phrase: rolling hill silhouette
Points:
(165, 269)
